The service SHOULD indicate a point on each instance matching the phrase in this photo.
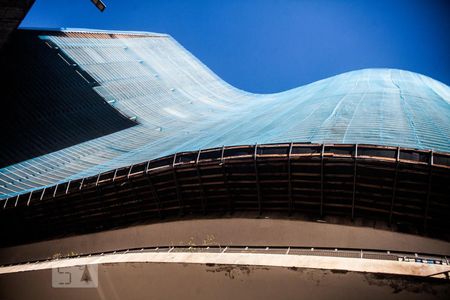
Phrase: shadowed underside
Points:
(47, 102)
(385, 187)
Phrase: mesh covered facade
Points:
(180, 105)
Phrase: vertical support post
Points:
(114, 177)
(81, 183)
(134, 192)
(129, 171)
(177, 186)
(427, 203)
(155, 195)
(153, 189)
(258, 188)
(17, 200)
(68, 185)
(147, 167)
(98, 179)
(29, 198)
(98, 189)
(354, 181)
(200, 181)
(42, 194)
(290, 201)
(225, 179)
(82, 191)
(81, 194)
(222, 153)
(321, 179)
(54, 192)
(394, 186)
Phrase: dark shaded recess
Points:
(12, 13)
(313, 183)
(45, 104)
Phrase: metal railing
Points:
(407, 257)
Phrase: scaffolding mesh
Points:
(181, 105)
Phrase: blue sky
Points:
(270, 46)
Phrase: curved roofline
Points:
(150, 34)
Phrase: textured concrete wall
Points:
(228, 231)
(192, 281)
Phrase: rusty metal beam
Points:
(99, 4)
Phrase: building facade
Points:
(106, 130)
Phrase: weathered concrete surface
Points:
(228, 231)
(198, 281)
(250, 259)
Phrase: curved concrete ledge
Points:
(247, 259)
